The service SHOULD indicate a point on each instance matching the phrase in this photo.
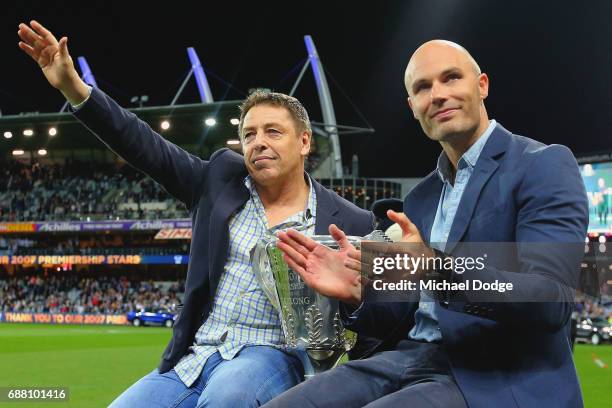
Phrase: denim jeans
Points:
(256, 375)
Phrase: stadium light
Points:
(233, 142)
(52, 131)
(18, 152)
(139, 100)
(235, 121)
(165, 125)
(28, 132)
(8, 135)
(210, 122)
(42, 152)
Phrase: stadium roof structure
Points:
(189, 125)
(200, 128)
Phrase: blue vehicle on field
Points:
(151, 317)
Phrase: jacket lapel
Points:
(326, 210)
(231, 197)
(485, 167)
(422, 208)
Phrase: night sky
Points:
(549, 63)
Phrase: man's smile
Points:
(444, 113)
(260, 159)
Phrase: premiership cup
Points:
(309, 320)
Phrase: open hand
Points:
(53, 59)
(332, 273)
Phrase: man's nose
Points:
(259, 143)
(438, 93)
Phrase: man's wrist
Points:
(75, 91)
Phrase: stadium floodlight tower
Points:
(329, 128)
(327, 106)
(200, 76)
(86, 73)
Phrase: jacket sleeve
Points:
(378, 319)
(177, 171)
(550, 231)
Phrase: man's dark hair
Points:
(295, 108)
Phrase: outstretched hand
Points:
(337, 273)
(53, 59)
(333, 273)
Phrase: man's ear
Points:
(410, 106)
(306, 138)
(483, 86)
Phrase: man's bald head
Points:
(435, 46)
(446, 91)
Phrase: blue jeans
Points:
(256, 375)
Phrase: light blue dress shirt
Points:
(426, 322)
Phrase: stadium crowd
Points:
(593, 308)
(76, 190)
(69, 293)
(31, 190)
(90, 245)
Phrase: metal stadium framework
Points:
(189, 125)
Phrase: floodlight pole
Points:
(87, 75)
(200, 76)
(299, 78)
(327, 106)
(180, 91)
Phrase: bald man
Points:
(444, 349)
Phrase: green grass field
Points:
(97, 363)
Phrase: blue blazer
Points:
(505, 354)
(212, 190)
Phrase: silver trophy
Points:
(310, 321)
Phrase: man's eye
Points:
(248, 136)
(421, 88)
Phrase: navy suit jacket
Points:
(505, 354)
(212, 190)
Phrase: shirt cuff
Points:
(80, 105)
(350, 312)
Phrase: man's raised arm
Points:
(178, 171)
